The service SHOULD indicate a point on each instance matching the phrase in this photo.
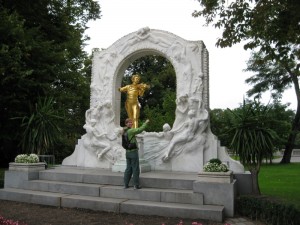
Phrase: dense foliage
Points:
(279, 120)
(42, 56)
(267, 210)
(272, 30)
(253, 132)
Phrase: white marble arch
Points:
(189, 143)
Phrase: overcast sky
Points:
(227, 79)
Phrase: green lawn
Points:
(281, 181)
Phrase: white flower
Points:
(24, 158)
(215, 167)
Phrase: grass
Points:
(281, 181)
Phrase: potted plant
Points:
(27, 162)
(216, 171)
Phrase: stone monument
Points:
(185, 145)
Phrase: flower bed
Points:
(4, 221)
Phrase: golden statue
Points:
(132, 104)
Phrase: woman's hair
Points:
(127, 120)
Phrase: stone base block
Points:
(216, 177)
(27, 167)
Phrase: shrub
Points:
(267, 210)
(215, 160)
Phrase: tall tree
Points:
(271, 28)
(273, 76)
(41, 54)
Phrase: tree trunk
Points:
(288, 149)
(295, 124)
(292, 137)
(255, 185)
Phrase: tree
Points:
(220, 123)
(161, 115)
(272, 29)
(280, 118)
(12, 80)
(41, 54)
(273, 76)
(252, 139)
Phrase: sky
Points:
(226, 65)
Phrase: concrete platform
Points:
(163, 193)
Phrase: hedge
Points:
(267, 210)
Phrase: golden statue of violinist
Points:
(132, 104)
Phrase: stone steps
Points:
(90, 176)
(208, 212)
(163, 194)
(153, 194)
(112, 191)
(29, 196)
(117, 205)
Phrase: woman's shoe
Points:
(135, 187)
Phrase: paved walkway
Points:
(242, 221)
(293, 159)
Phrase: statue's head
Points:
(166, 127)
(93, 122)
(107, 103)
(191, 113)
(135, 78)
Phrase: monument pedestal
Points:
(120, 166)
(216, 177)
(27, 167)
